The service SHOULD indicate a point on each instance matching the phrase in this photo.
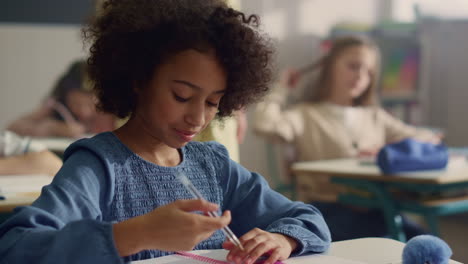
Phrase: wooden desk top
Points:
(456, 171)
(21, 190)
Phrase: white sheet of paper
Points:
(220, 254)
(12, 185)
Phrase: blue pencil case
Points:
(412, 155)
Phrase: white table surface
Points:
(21, 190)
(456, 171)
(355, 251)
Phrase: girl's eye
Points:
(210, 104)
(354, 66)
(180, 99)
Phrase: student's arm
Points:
(40, 123)
(65, 224)
(273, 122)
(255, 205)
(396, 130)
(43, 162)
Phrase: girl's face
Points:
(351, 73)
(182, 98)
(81, 104)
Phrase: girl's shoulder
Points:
(208, 148)
(210, 153)
(104, 144)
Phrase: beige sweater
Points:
(224, 132)
(325, 131)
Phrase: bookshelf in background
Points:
(400, 69)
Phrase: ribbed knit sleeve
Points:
(65, 224)
(254, 204)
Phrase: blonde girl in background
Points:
(342, 120)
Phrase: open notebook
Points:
(218, 256)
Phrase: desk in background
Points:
(58, 145)
(55, 144)
(371, 250)
(20, 190)
(368, 178)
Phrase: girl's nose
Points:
(196, 115)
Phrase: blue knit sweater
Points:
(103, 182)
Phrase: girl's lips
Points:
(185, 135)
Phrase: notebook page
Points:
(320, 259)
(220, 254)
(217, 254)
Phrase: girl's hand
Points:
(51, 127)
(73, 130)
(368, 153)
(258, 243)
(171, 227)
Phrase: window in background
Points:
(403, 10)
(317, 17)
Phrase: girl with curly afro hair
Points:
(171, 66)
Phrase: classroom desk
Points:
(355, 251)
(384, 190)
(21, 190)
(370, 250)
(55, 144)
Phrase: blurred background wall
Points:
(38, 40)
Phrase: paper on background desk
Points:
(14, 185)
(58, 144)
(220, 254)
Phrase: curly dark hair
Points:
(131, 38)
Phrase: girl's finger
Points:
(209, 223)
(250, 235)
(274, 256)
(245, 239)
(249, 247)
(196, 205)
(228, 245)
(253, 243)
(260, 250)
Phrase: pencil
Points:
(197, 195)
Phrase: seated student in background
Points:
(172, 66)
(343, 120)
(20, 155)
(68, 112)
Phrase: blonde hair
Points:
(326, 63)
